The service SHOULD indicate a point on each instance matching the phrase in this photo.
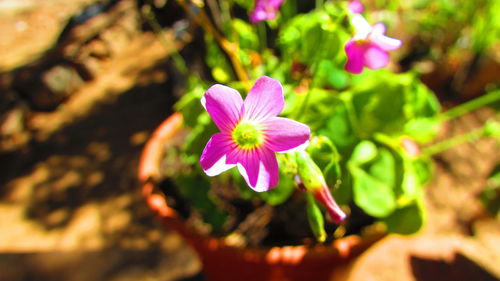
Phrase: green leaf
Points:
(376, 198)
(422, 167)
(313, 37)
(198, 138)
(330, 75)
(384, 168)
(336, 180)
(245, 4)
(194, 187)
(364, 152)
(384, 102)
(422, 130)
(247, 38)
(492, 129)
(417, 172)
(333, 174)
(189, 104)
(323, 151)
(406, 220)
(320, 103)
(373, 173)
(281, 192)
(490, 197)
(221, 75)
(420, 101)
(338, 127)
(380, 108)
(216, 59)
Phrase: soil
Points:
(70, 207)
(256, 223)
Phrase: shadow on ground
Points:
(460, 268)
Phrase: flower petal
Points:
(213, 159)
(286, 135)
(375, 57)
(378, 29)
(387, 43)
(355, 57)
(264, 100)
(363, 28)
(224, 105)
(259, 168)
(384, 42)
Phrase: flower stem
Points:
(470, 106)
(351, 115)
(454, 141)
(305, 101)
(302, 109)
(230, 48)
(261, 30)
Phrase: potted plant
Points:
(318, 161)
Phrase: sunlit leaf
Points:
(406, 220)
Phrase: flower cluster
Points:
(251, 131)
(343, 145)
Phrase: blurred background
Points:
(84, 82)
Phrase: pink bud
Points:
(410, 146)
(356, 6)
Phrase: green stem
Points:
(303, 108)
(261, 30)
(305, 102)
(454, 141)
(470, 106)
(225, 7)
(230, 48)
(351, 114)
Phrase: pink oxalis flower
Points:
(356, 6)
(250, 132)
(369, 47)
(265, 10)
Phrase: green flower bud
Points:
(315, 217)
(313, 180)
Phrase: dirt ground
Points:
(70, 207)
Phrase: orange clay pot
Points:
(223, 262)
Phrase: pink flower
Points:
(356, 6)
(265, 10)
(250, 132)
(369, 46)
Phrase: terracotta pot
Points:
(224, 262)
